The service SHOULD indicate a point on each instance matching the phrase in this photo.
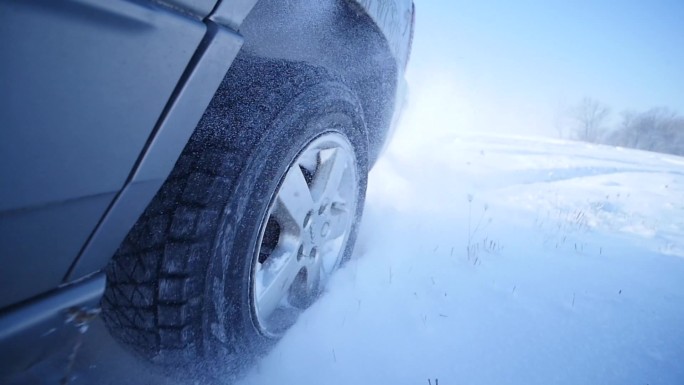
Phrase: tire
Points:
(188, 286)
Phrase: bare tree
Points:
(590, 116)
(658, 129)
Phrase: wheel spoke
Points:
(313, 277)
(294, 199)
(339, 222)
(328, 177)
(330, 253)
(275, 278)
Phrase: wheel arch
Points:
(337, 35)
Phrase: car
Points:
(191, 171)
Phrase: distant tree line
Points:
(658, 129)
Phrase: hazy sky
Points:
(519, 66)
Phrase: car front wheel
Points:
(262, 206)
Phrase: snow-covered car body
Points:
(99, 99)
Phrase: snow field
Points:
(488, 259)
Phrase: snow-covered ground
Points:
(488, 259)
